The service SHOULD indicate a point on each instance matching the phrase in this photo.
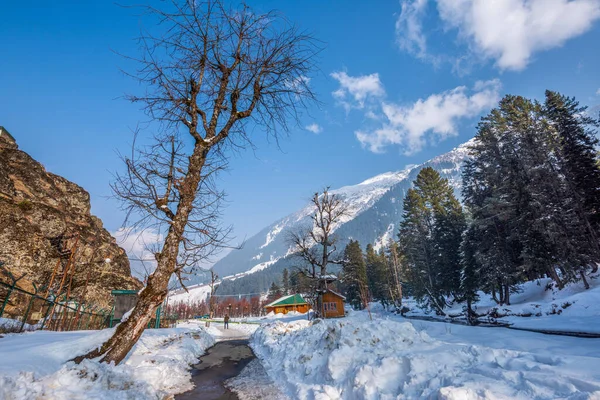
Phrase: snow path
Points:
(223, 361)
(230, 370)
(231, 334)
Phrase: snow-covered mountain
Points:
(375, 210)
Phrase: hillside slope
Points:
(375, 212)
(43, 215)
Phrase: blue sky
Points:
(400, 82)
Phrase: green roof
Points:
(291, 300)
(118, 292)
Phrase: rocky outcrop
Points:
(44, 218)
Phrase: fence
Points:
(23, 310)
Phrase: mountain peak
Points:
(374, 210)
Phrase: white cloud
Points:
(314, 128)
(508, 31)
(355, 90)
(139, 245)
(598, 92)
(409, 28)
(410, 125)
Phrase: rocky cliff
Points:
(46, 224)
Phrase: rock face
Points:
(45, 220)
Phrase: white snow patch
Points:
(385, 238)
(263, 265)
(195, 294)
(272, 234)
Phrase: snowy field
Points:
(539, 305)
(215, 329)
(351, 358)
(35, 365)
(390, 357)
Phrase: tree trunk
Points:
(556, 278)
(507, 295)
(585, 282)
(156, 291)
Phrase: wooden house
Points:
(285, 304)
(333, 304)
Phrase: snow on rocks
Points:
(35, 365)
(354, 358)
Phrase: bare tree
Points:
(212, 75)
(316, 245)
(211, 302)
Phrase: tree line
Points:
(530, 209)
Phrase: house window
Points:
(326, 306)
(333, 306)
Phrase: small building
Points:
(333, 304)
(285, 304)
(124, 300)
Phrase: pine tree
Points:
(274, 292)
(286, 282)
(528, 220)
(394, 272)
(450, 224)
(354, 274)
(376, 275)
(578, 161)
(470, 277)
(430, 239)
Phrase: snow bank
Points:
(33, 365)
(539, 305)
(354, 358)
(12, 325)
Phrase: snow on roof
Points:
(336, 293)
(290, 300)
(328, 277)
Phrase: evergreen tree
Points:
(578, 160)
(450, 224)
(286, 281)
(274, 293)
(394, 272)
(470, 278)
(529, 220)
(486, 178)
(430, 238)
(376, 275)
(354, 274)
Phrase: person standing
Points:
(226, 320)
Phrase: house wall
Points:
(302, 308)
(333, 305)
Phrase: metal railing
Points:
(22, 310)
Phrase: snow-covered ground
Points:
(391, 357)
(194, 294)
(215, 329)
(35, 365)
(540, 305)
(12, 325)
